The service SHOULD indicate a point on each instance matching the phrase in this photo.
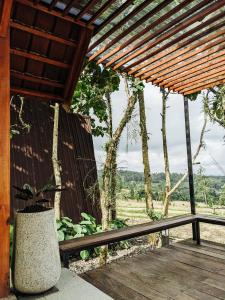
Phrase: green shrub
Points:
(67, 230)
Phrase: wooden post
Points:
(4, 164)
(195, 226)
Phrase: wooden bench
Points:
(71, 247)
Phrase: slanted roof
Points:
(48, 49)
(177, 44)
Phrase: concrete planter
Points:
(37, 264)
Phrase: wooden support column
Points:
(4, 164)
(195, 226)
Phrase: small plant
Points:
(36, 200)
(67, 230)
(118, 224)
(154, 216)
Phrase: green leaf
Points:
(86, 216)
(85, 254)
(67, 223)
(58, 224)
(86, 223)
(69, 237)
(61, 236)
(78, 235)
(77, 228)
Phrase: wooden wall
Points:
(31, 157)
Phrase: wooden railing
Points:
(72, 247)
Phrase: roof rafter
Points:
(141, 69)
(204, 68)
(127, 31)
(121, 23)
(205, 86)
(173, 62)
(112, 17)
(168, 31)
(189, 65)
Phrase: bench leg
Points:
(65, 260)
(196, 232)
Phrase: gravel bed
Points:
(138, 246)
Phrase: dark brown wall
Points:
(31, 157)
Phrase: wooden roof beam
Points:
(40, 58)
(204, 68)
(85, 10)
(69, 6)
(203, 84)
(167, 34)
(76, 67)
(190, 64)
(5, 17)
(193, 81)
(173, 62)
(36, 94)
(52, 5)
(191, 69)
(121, 23)
(43, 34)
(101, 11)
(35, 79)
(112, 17)
(126, 32)
(158, 54)
(55, 13)
(207, 86)
(153, 35)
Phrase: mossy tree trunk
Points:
(113, 169)
(145, 153)
(55, 161)
(165, 154)
(111, 150)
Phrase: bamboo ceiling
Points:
(177, 44)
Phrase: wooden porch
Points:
(182, 271)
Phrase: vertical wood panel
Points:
(4, 165)
(31, 157)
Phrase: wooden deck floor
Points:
(182, 271)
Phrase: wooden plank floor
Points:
(181, 271)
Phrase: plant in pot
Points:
(36, 259)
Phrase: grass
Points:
(134, 209)
(135, 212)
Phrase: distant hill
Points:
(206, 187)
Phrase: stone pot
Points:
(36, 259)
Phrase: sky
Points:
(212, 158)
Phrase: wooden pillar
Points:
(195, 226)
(4, 164)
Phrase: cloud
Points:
(212, 159)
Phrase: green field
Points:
(135, 210)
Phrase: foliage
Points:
(131, 186)
(204, 188)
(21, 126)
(90, 95)
(222, 196)
(35, 199)
(155, 216)
(215, 105)
(67, 230)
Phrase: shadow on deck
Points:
(181, 271)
